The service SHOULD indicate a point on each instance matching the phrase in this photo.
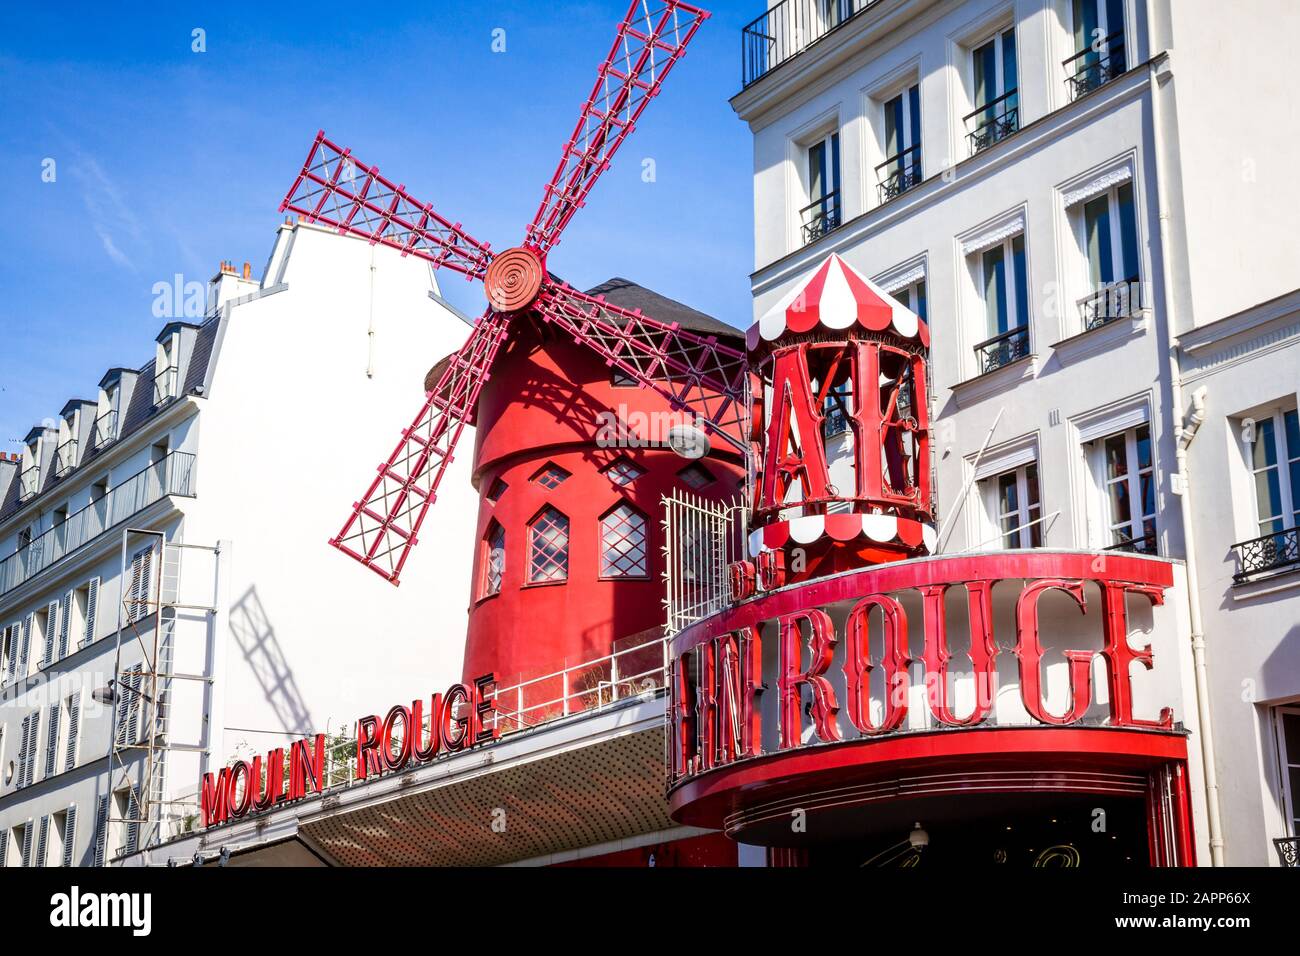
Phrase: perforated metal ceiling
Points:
(594, 794)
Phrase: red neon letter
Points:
(983, 652)
(858, 664)
(821, 642)
(420, 751)
(1030, 652)
(458, 696)
(215, 800)
(485, 704)
(368, 761)
(792, 404)
(1120, 654)
(738, 661)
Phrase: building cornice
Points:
(1263, 328)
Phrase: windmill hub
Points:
(514, 279)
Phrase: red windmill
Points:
(695, 373)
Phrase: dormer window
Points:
(167, 370)
(65, 454)
(29, 479)
(106, 415)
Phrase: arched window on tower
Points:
(494, 559)
(548, 551)
(623, 543)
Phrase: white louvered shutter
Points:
(27, 842)
(33, 738)
(74, 728)
(92, 604)
(51, 623)
(65, 616)
(42, 841)
(13, 633)
(22, 748)
(69, 835)
(26, 645)
(52, 742)
(101, 831)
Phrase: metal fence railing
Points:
(172, 475)
(787, 29)
(701, 541)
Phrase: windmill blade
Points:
(695, 373)
(651, 38)
(335, 189)
(383, 525)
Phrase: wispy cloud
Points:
(110, 215)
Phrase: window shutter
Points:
(74, 727)
(22, 749)
(92, 601)
(51, 622)
(69, 835)
(133, 827)
(65, 616)
(27, 843)
(14, 633)
(133, 720)
(52, 742)
(124, 698)
(26, 646)
(101, 831)
(33, 736)
(42, 842)
(4, 847)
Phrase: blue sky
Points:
(168, 161)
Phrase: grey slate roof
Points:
(137, 414)
(626, 294)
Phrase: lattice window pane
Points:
(551, 476)
(549, 551)
(496, 560)
(497, 490)
(623, 472)
(696, 476)
(623, 543)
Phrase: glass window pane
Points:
(817, 171)
(1264, 451)
(985, 74)
(1143, 442)
(1120, 512)
(1022, 281)
(1031, 484)
(1292, 420)
(1096, 220)
(1007, 493)
(914, 108)
(919, 309)
(995, 290)
(1268, 494)
(893, 126)
(1127, 232)
(1291, 734)
(835, 162)
(1148, 489)
(1116, 457)
(1009, 80)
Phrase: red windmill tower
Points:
(695, 373)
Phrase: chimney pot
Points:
(248, 270)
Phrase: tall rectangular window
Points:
(901, 169)
(1099, 54)
(822, 214)
(1004, 284)
(996, 91)
(548, 547)
(1016, 508)
(1275, 466)
(1128, 474)
(1109, 223)
(1288, 740)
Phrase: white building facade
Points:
(1090, 202)
(191, 500)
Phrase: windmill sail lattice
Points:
(694, 373)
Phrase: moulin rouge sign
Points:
(718, 664)
(458, 719)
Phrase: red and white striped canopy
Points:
(834, 297)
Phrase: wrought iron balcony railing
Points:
(899, 173)
(820, 217)
(1288, 850)
(105, 429)
(1118, 300)
(164, 385)
(994, 121)
(789, 28)
(1003, 349)
(1268, 552)
(29, 482)
(1146, 544)
(65, 458)
(172, 475)
(1091, 68)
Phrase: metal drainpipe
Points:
(1182, 438)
